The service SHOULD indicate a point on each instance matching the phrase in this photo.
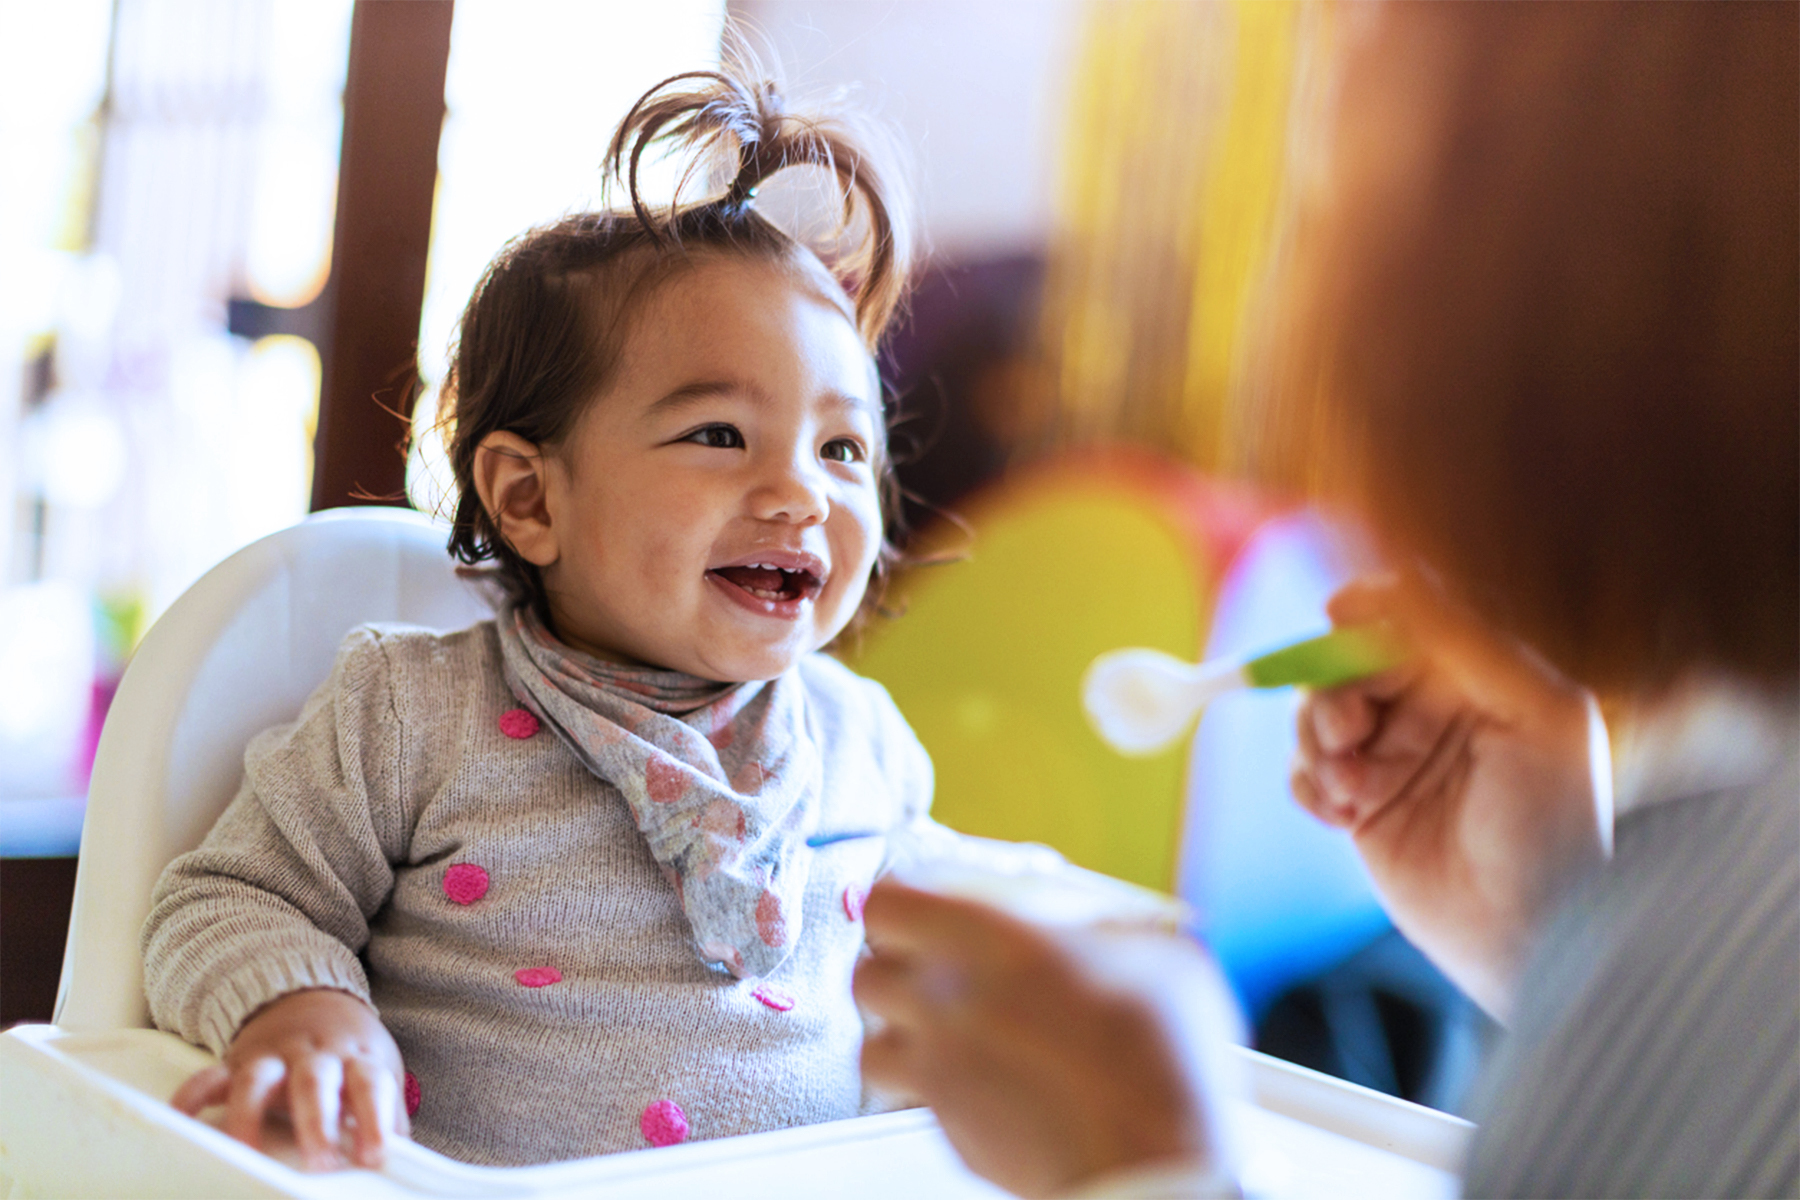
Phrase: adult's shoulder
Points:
(1656, 1050)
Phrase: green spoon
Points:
(1141, 700)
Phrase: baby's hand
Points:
(325, 1059)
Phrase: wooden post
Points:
(387, 175)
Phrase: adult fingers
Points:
(886, 1061)
(1365, 600)
(1341, 719)
(1493, 670)
(1433, 775)
(1415, 723)
(1308, 784)
(1438, 628)
(902, 920)
(253, 1084)
(905, 991)
(203, 1089)
(1344, 790)
(371, 1098)
(1312, 798)
(954, 951)
(1352, 791)
(1395, 716)
(315, 1082)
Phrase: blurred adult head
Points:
(1545, 332)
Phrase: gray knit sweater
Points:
(329, 869)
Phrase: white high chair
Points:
(83, 1101)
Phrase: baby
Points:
(544, 884)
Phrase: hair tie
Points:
(738, 199)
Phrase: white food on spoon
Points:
(1141, 700)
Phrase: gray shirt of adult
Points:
(1656, 1047)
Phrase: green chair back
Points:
(987, 659)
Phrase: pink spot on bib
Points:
(854, 899)
(662, 779)
(410, 1090)
(465, 883)
(774, 997)
(724, 819)
(663, 1123)
(536, 977)
(771, 921)
(518, 723)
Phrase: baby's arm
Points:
(905, 764)
(252, 941)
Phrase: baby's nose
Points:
(794, 493)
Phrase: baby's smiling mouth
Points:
(770, 583)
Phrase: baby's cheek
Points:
(840, 602)
(856, 534)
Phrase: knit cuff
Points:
(236, 996)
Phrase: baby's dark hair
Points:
(542, 334)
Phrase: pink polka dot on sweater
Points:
(854, 899)
(412, 1093)
(536, 977)
(774, 997)
(519, 723)
(465, 883)
(663, 1123)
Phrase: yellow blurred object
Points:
(1067, 562)
(1185, 125)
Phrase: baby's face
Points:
(716, 508)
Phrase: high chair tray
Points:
(86, 1114)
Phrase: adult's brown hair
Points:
(1547, 325)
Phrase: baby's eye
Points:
(844, 450)
(719, 437)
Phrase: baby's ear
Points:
(511, 475)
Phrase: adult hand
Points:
(1465, 777)
(1050, 1059)
(322, 1057)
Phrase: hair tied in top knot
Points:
(722, 122)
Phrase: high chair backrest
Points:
(236, 653)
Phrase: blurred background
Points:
(235, 236)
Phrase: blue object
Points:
(41, 826)
(826, 839)
(1281, 896)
